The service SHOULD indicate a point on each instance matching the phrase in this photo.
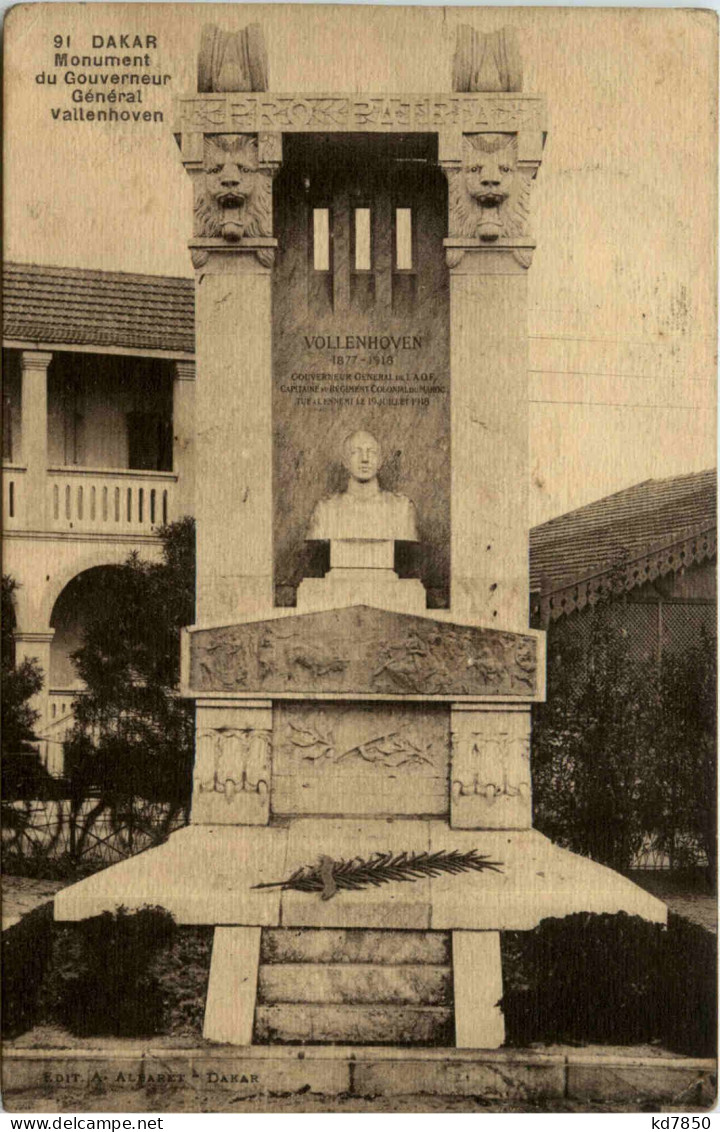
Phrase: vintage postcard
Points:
(359, 559)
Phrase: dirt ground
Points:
(687, 896)
(21, 894)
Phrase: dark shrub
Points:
(26, 954)
(124, 975)
(182, 971)
(99, 981)
(616, 980)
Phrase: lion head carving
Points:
(489, 196)
(233, 195)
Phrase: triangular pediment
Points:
(363, 651)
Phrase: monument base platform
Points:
(206, 1079)
(208, 874)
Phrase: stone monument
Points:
(361, 724)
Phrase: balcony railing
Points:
(109, 501)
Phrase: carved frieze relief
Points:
(360, 758)
(495, 766)
(401, 746)
(363, 650)
(490, 769)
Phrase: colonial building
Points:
(651, 550)
(98, 414)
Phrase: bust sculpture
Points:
(363, 511)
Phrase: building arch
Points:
(76, 563)
(84, 595)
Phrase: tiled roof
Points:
(621, 528)
(77, 307)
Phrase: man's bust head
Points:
(362, 456)
(363, 510)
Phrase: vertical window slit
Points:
(363, 243)
(403, 239)
(321, 239)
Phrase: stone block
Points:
(403, 905)
(92, 1070)
(537, 880)
(503, 1079)
(232, 987)
(305, 945)
(354, 1025)
(647, 1079)
(355, 983)
(247, 1076)
(202, 875)
(478, 987)
(381, 589)
(362, 554)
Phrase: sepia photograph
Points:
(359, 610)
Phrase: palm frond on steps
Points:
(330, 876)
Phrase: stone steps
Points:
(354, 987)
(326, 1023)
(418, 985)
(342, 945)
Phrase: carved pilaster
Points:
(233, 764)
(490, 767)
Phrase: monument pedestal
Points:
(208, 874)
(342, 587)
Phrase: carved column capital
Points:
(232, 177)
(490, 767)
(233, 763)
(489, 179)
(231, 172)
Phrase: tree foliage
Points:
(625, 748)
(19, 684)
(682, 795)
(133, 736)
(23, 774)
